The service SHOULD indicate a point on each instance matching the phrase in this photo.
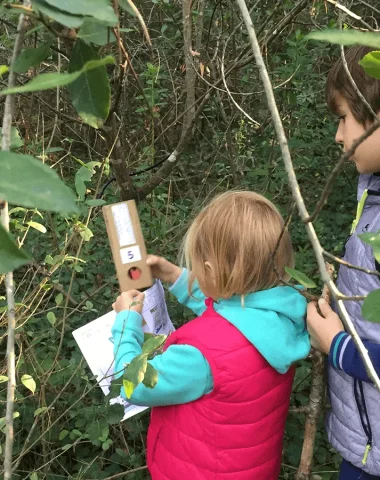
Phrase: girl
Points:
(225, 378)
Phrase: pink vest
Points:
(236, 431)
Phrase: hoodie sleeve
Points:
(179, 289)
(345, 356)
(184, 375)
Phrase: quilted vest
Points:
(354, 423)
(234, 432)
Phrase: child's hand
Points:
(132, 300)
(322, 330)
(163, 269)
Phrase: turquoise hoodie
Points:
(272, 320)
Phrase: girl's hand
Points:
(132, 300)
(322, 329)
(163, 269)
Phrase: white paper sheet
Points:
(95, 340)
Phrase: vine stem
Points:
(9, 282)
(294, 186)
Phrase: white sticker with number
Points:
(131, 254)
(123, 225)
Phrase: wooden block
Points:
(127, 245)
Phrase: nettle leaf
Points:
(64, 18)
(346, 37)
(90, 93)
(115, 413)
(153, 343)
(31, 57)
(37, 226)
(300, 277)
(150, 377)
(372, 239)
(16, 141)
(26, 181)
(371, 64)
(11, 257)
(28, 382)
(371, 307)
(45, 81)
(99, 9)
(96, 33)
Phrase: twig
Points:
(350, 265)
(351, 14)
(9, 284)
(57, 101)
(143, 25)
(335, 171)
(370, 6)
(128, 472)
(297, 194)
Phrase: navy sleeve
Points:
(345, 356)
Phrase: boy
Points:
(353, 425)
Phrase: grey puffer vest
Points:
(354, 422)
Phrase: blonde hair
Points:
(237, 233)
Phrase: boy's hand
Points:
(322, 329)
(132, 300)
(163, 269)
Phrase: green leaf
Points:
(153, 343)
(37, 226)
(31, 57)
(83, 175)
(371, 64)
(34, 476)
(106, 445)
(150, 377)
(98, 432)
(16, 141)
(371, 307)
(134, 373)
(28, 382)
(40, 410)
(26, 181)
(3, 378)
(45, 81)
(95, 202)
(127, 8)
(59, 299)
(372, 239)
(70, 21)
(63, 435)
(84, 231)
(346, 37)
(99, 9)
(300, 277)
(96, 33)
(11, 257)
(51, 318)
(90, 93)
(3, 69)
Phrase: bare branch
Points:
(351, 14)
(350, 265)
(297, 194)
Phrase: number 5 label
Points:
(130, 254)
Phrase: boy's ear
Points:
(208, 266)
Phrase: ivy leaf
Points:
(300, 277)
(27, 181)
(346, 37)
(372, 239)
(153, 343)
(150, 377)
(96, 33)
(11, 257)
(16, 141)
(64, 18)
(90, 93)
(31, 57)
(40, 410)
(371, 64)
(37, 226)
(45, 81)
(371, 307)
(28, 382)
